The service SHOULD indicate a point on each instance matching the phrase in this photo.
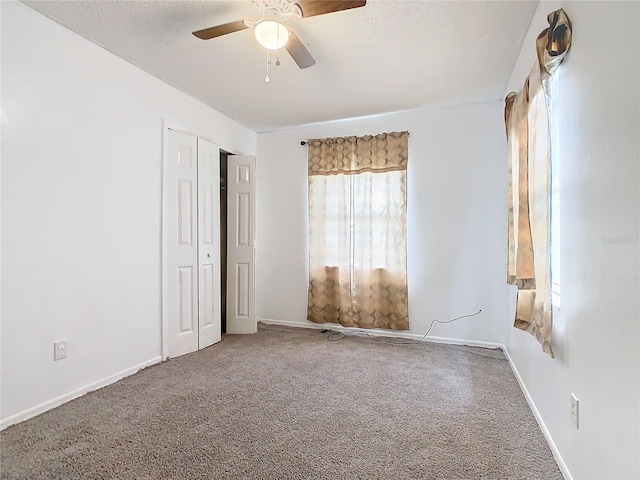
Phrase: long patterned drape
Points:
(357, 231)
(528, 140)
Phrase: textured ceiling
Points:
(384, 57)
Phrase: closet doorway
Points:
(223, 238)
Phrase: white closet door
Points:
(180, 237)
(241, 310)
(209, 243)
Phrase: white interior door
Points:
(241, 186)
(180, 243)
(191, 244)
(209, 243)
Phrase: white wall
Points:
(456, 218)
(81, 207)
(596, 332)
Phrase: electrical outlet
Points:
(60, 350)
(575, 410)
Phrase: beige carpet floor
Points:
(288, 404)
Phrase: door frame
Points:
(164, 280)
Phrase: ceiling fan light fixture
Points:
(271, 35)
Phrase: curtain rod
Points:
(306, 142)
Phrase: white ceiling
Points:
(384, 57)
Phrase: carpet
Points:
(286, 403)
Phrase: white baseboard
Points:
(383, 333)
(545, 431)
(55, 402)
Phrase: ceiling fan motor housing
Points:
(280, 10)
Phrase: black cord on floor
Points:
(332, 336)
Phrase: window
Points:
(363, 211)
(357, 231)
(533, 256)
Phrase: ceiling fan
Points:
(270, 32)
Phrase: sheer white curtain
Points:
(357, 231)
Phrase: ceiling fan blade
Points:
(311, 8)
(298, 51)
(218, 31)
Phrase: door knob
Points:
(208, 255)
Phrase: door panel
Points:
(186, 308)
(179, 233)
(241, 311)
(207, 300)
(209, 243)
(243, 308)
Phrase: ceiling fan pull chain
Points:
(266, 78)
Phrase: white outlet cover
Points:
(575, 410)
(60, 350)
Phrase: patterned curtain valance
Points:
(385, 152)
